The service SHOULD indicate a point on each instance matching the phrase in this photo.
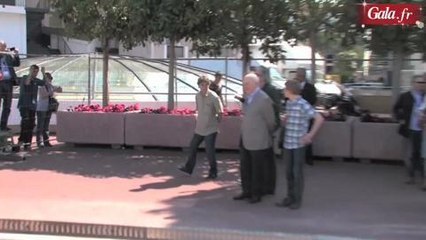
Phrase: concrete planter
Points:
(90, 127)
(377, 141)
(163, 130)
(229, 133)
(334, 139)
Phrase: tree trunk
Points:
(398, 56)
(105, 89)
(171, 95)
(246, 59)
(313, 43)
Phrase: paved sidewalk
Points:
(143, 188)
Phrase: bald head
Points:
(250, 83)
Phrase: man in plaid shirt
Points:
(298, 114)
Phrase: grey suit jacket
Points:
(258, 122)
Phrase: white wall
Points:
(153, 50)
(138, 51)
(81, 46)
(13, 25)
(76, 45)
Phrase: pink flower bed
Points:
(109, 108)
(135, 107)
(185, 111)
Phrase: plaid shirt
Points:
(299, 112)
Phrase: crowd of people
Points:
(33, 102)
(265, 117)
(269, 114)
(291, 117)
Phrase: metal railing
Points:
(81, 75)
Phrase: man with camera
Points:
(27, 104)
(9, 58)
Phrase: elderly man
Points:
(257, 127)
(9, 58)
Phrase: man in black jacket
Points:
(9, 58)
(275, 95)
(406, 112)
(309, 93)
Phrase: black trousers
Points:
(252, 170)
(6, 91)
(416, 161)
(269, 175)
(27, 125)
(309, 154)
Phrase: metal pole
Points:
(176, 89)
(88, 82)
(226, 81)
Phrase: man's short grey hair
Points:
(265, 73)
(302, 70)
(418, 76)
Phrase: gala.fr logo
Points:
(390, 14)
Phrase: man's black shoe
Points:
(242, 196)
(285, 203)
(211, 176)
(295, 206)
(269, 192)
(184, 170)
(255, 199)
(5, 129)
(27, 147)
(47, 144)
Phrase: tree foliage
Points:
(239, 23)
(94, 19)
(104, 20)
(171, 21)
(311, 19)
(387, 38)
(397, 41)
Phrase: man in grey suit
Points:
(256, 138)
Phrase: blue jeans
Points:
(294, 158)
(43, 122)
(210, 142)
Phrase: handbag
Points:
(53, 104)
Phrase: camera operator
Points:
(9, 58)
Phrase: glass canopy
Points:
(130, 79)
